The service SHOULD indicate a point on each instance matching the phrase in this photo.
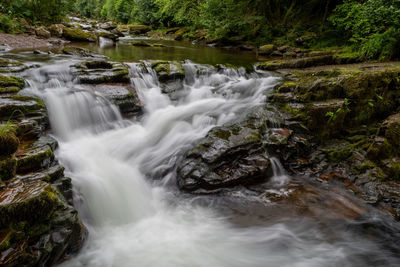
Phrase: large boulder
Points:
(76, 34)
(226, 157)
(101, 71)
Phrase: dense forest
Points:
(372, 28)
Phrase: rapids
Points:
(123, 173)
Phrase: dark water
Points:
(173, 50)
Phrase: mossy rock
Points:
(100, 71)
(266, 49)
(10, 65)
(11, 84)
(17, 106)
(107, 34)
(140, 43)
(226, 157)
(8, 167)
(138, 29)
(168, 70)
(296, 63)
(27, 202)
(123, 96)
(179, 34)
(338, 150)
(75, 34)
(35, 158)
(8, 140)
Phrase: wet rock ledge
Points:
(38, 224)
(332, 125)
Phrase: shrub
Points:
(372, 26)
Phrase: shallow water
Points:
(123, 175)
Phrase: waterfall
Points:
(134, 220)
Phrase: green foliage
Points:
(47, 11)
(89, 8)
(372, 26)
(332, 116)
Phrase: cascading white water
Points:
(134, 221)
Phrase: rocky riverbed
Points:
(333, 126)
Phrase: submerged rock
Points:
(101, 71)
(10, 65)
(81, 52)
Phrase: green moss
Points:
(28, 98)
(340, 155)
(8, 141)
(75, 34)
(223, 134)
(11, 82)
(395, 170)
(33, 203)
(9, 63)
(9, 90)
(34, 160)
(8, 168)
(366, 165)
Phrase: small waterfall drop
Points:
(137, 221)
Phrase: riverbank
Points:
(24, 41)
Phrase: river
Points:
(124, 172)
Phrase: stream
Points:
(124, 176)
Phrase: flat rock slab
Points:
(26, 202)
(34, 156)
(100, 71)
(9, 106)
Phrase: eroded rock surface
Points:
(38, 225)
